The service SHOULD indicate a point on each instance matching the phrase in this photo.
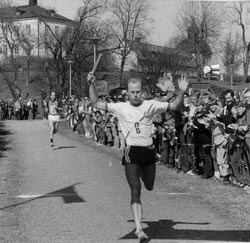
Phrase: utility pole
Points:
(70, 63)
(231, 75)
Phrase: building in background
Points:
(24, 29)
(151, 61)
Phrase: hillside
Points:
(219, 86)
(35, 87)
(32, 90)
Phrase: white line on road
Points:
(45, 195)
(28, 196)
(173, 193)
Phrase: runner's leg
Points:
(133, 173)
(133, 177)
(56, 126)
(51, 124)
(148, 176)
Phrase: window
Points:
(16, 49)
(5, 28)
(4, 49)
(46, 30)
(56, 31)
(16, 30)
(19, 12)
(27, 29)
(52, 13)
(152, 54)
(46, 47)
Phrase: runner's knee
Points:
(135, 201)
(133, 178)
(148, 177)
(136, 194)
(149, 187)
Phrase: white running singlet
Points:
(136, 122)
(53, 107)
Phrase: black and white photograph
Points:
(124, 121)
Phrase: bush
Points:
(248, 79)
(237, 78)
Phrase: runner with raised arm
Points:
(136, 120)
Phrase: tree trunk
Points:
(122, 68)
(246, 66)
(28, 72)
(198, 67)
(228, 72)
(14, 90)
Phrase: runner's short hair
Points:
(133, 81)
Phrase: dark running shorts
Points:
(142, 156)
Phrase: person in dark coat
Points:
(34, 109)
(203, 142)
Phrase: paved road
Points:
(76, 192)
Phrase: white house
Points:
(29, 23)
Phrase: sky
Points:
(162, 13)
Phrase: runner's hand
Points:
(183, 83)
(90, 78)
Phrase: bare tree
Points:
(12, 38)
(27, 44)
(126, 24)
(69, 44)
(174, 41)
(202, 21)
(231, 53)
(240, 11)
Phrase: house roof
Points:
(155, 48)
(162, 54)
(28, 12)
(189, 46)
(144, 50)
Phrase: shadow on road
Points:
(164, 230)
(64, 147)
(3, 139)
(68, 194)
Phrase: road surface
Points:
(76, 192)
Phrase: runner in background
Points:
(53, 117)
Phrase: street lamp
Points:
(231, 75)
(70, 63)
(95, 41)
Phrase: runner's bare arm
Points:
(177, 101)
(93, 95)
(183, 85)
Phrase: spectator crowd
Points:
(19, 109)
(198, 139)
